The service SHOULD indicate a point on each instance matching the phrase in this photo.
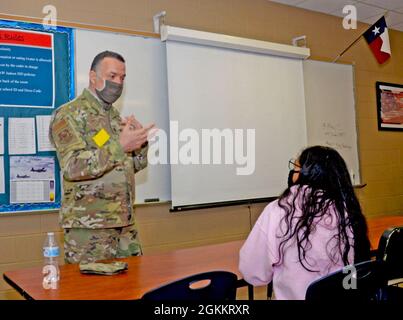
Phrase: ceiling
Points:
(368, 11)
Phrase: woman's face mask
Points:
(290, 181)
(292, 165)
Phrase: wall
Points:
(381, 153)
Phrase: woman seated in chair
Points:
(314, 228)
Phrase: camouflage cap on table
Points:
(103, 268)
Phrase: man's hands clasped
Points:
(133, 135)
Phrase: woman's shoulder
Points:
(275, 210)
(294, 197)
(271, 213)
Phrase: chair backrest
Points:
(390, 252)
(359, 282)
(214, 285)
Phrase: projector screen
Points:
(236, 118)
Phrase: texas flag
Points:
(378, 39)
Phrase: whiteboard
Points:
(145, 92)
(232, 90)
(330, 110)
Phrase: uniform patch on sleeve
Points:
(64, 135)
(101, 137)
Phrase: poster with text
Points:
(27, 77)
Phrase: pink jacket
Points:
(290, 279)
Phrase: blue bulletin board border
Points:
(64, 74)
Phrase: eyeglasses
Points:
(292, 164)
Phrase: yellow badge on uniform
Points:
(101, 137)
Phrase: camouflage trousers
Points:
(89, 245)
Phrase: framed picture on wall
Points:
(389, 98)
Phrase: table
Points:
(149, 271)
(144, 273)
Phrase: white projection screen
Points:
(232, 91)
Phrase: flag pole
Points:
(353, 43)
(356, 40)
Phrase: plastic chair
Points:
(338, 285)
(214, 285)
(390, 254)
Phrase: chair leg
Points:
(250, 292)
(269, 290)
(373, 253)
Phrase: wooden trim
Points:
(78, 25)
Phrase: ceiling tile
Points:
(388, 4)
(372, 20)
(393, 18)
(368, 11)
(288, 2)
(339, 12)
(325, 6)
(398, 27)
(365, 11)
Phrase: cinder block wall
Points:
(381, 153)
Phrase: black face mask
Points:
(290, 175)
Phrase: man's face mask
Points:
(110, 92)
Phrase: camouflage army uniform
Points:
(97, 212)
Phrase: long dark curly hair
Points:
(323, 184)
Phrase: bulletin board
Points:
(36, 77)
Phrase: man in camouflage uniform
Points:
(99, 154)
